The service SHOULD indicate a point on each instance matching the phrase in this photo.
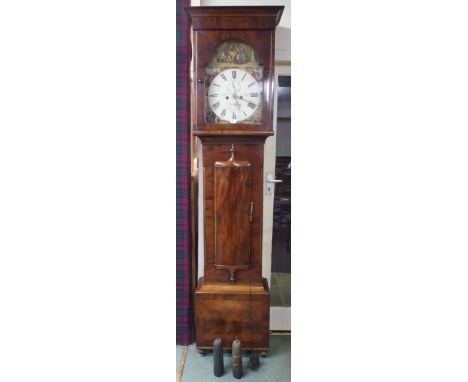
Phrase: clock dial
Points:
(234, 95)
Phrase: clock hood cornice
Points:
(261, 17)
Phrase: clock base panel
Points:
(231, 311)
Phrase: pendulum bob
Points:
(218, 360)
(254, 360)
(236, 359)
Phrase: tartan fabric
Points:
(184, 326)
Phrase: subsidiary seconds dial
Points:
(234, 95)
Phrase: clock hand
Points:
(235, 97)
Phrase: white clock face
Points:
(234, 95)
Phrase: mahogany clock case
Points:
(254, 26)
(232, 300)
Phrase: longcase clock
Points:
(232, 115)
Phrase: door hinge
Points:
(251, 211)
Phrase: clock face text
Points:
(234, 95)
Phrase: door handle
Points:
(270, 181)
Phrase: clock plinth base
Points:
(233, 310)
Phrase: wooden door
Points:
(233, 214)
(279, 281)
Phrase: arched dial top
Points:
(234, 83)
(234, 95)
